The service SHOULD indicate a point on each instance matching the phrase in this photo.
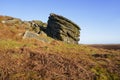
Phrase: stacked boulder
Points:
(63, 29)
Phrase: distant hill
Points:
(34, 50)
(107, 46)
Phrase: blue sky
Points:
(98, 19)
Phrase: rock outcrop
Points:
(58, 27)
(36, 25)
(63, 29)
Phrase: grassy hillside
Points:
(31, 59)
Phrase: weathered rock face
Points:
(36, 25)
(63, 29)
(29, 34)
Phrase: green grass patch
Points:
(9, 44)
(102, 74)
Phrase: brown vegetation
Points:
(107, 46)
(30, 59)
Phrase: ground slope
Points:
(31, 59)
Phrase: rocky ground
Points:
(39, 56)
(57, 27)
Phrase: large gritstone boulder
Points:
(63, 29)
